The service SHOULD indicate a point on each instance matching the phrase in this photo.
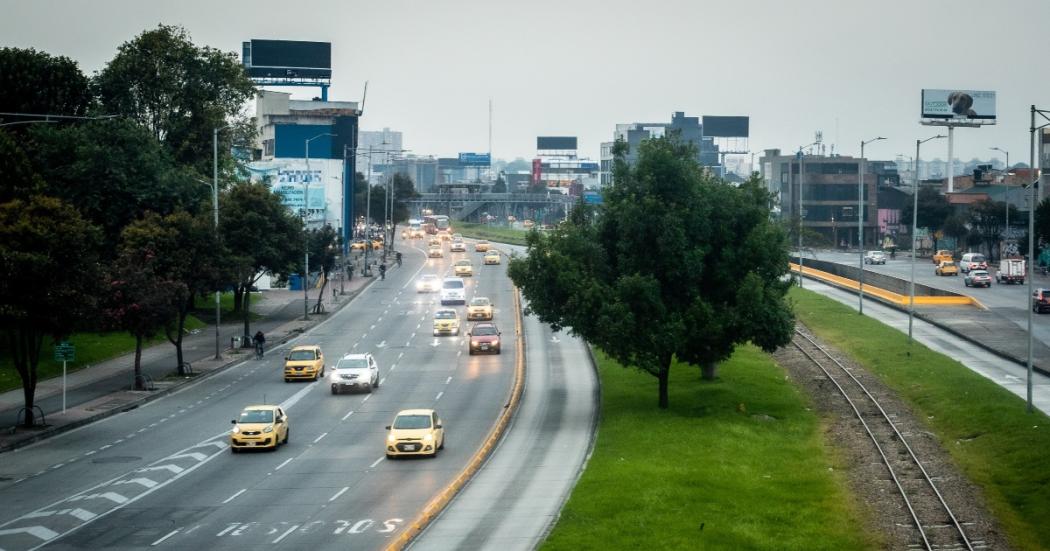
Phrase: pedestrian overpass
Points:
(472, 207)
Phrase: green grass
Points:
(493, 233)
(204, 306)
(983, 426)
(91, 348)
(709, 472)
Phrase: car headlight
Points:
(390, 438)
(474, 343)
(269, 428)
(495, 341)
(428, 438)
(236, 429)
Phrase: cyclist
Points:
(259, 339)
(398, 257)
(382, 271)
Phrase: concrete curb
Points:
(1001, 354)
(438, 503)
(55, 431)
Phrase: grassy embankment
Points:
(493, 233)
(738, 463)
(982, 425)
(93, 348)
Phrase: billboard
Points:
(546, 143)
(287, 59)
(958, 104)
(726, 127)
(475, 159)
(289, 186)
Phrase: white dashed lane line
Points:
(339, 493)
(381, 381)
(234, 496)
(170, 534)
(440, 394)
(348, 414)
(366, 398)
(449, 380)
(318, 439)
(285, 534)
(283, 463)
(377, 461)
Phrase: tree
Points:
(674, 265)
(178, 91)
(933, 211)
(261, 234)
(955, 227)
(48, 279)
(986, 219)
(1042, 222)
(404, 191)
(20, 180)
(186, 251)
(140, 298)
(324, 247)
(501, 184)
(39, 83)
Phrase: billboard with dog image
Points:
(958, 104)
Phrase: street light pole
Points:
(914, 230)
(1032, 204)
(368, 213)
(801, 180)
(860, 222)
(215, 221)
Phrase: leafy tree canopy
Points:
(20, 180)
(39, 83)
(674, 264)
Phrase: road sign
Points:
(65, 352)
(475, 159)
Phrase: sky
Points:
(852, 69)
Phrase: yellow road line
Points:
(442, 499)
(890, 296)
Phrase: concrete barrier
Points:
(924, 295)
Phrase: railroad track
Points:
(934, 521)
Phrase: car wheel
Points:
(388, 456)
(499, 350)
(322, 373)
(369, 389)
(287, 380)
(287, 433)
(233, 449)
(335, 389)
(442, 446)
(376, 384)
(470, 351)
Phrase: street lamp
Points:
(860, 222)
(914, 229)
(1006, 234)
(801, 156)
(1033, 203)
(306, 233)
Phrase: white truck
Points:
(1011, 270)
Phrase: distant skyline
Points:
(853, 70)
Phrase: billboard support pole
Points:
(951, 165)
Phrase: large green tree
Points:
(262, 236)
(20, 180)
(987, 220)
(41, 84)
(177, 90)
(674, 264)
(49, 274)
(933, 211)
(324, 247)
(403, 191)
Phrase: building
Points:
(829, 191)
(713, 137)
(380, 140)
(301, 147)
(422, 170)
(558, 167)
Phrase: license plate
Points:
(484, 347)
(410, 448)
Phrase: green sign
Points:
(65, 352)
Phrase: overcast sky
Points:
(853, 69)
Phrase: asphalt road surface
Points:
(1009, 301)
(162, 476)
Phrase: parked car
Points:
(945, 268)
(973, 261)
(1011, 270)
(875, 257)
(1041, 301)
(942, 255)
(978, 278)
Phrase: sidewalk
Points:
(102, 390)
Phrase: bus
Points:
(434, 223)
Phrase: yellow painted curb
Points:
(442, 499)
(890, 296)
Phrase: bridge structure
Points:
(472, 207)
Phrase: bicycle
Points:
(259, 351)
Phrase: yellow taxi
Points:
(259, 427)
(446, 322)
(435, 252)
(463, 268)
(481, 246)
(444, 235)
(358, 245)
(479, 309)
(433, 242)
(377, 243)
(946, 267)
(942, 255)
(415, 432)
(492, 257)
(304, 362)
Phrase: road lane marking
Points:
(141, 481)
(112, 496)
(234, 496)
(381, 381)
(318, 439)
(228, 529)
(399, 356)
(285, 462)
(440, 394)
(377, 461)
(38, 531)
(459, 353)
(195, 455)
(291, 401)
(285, 534)
(366, 398)
(175, 469)
(339, 493)
(170, 534)
(372, 327)
(449, 380)
(348, 414)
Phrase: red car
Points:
(484, 337)
(1041, 301)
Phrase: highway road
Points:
(1007, 300)
(162, 476)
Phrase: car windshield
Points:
(352, 363)
(412, 422)
(480, 301)
(429, 278)
(445, 314)
(256, 416)
(453, 285)
(978, 258)
(484, 330)
(979, 273)
(463, 263)
(301, 355)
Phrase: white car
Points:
(875, 257)
(458, 246)
(453, 291)
(354, 372)
(429, 283)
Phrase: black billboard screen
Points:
(288, 58)
(726, 127)
(555, 142)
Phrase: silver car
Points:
(875, 257)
